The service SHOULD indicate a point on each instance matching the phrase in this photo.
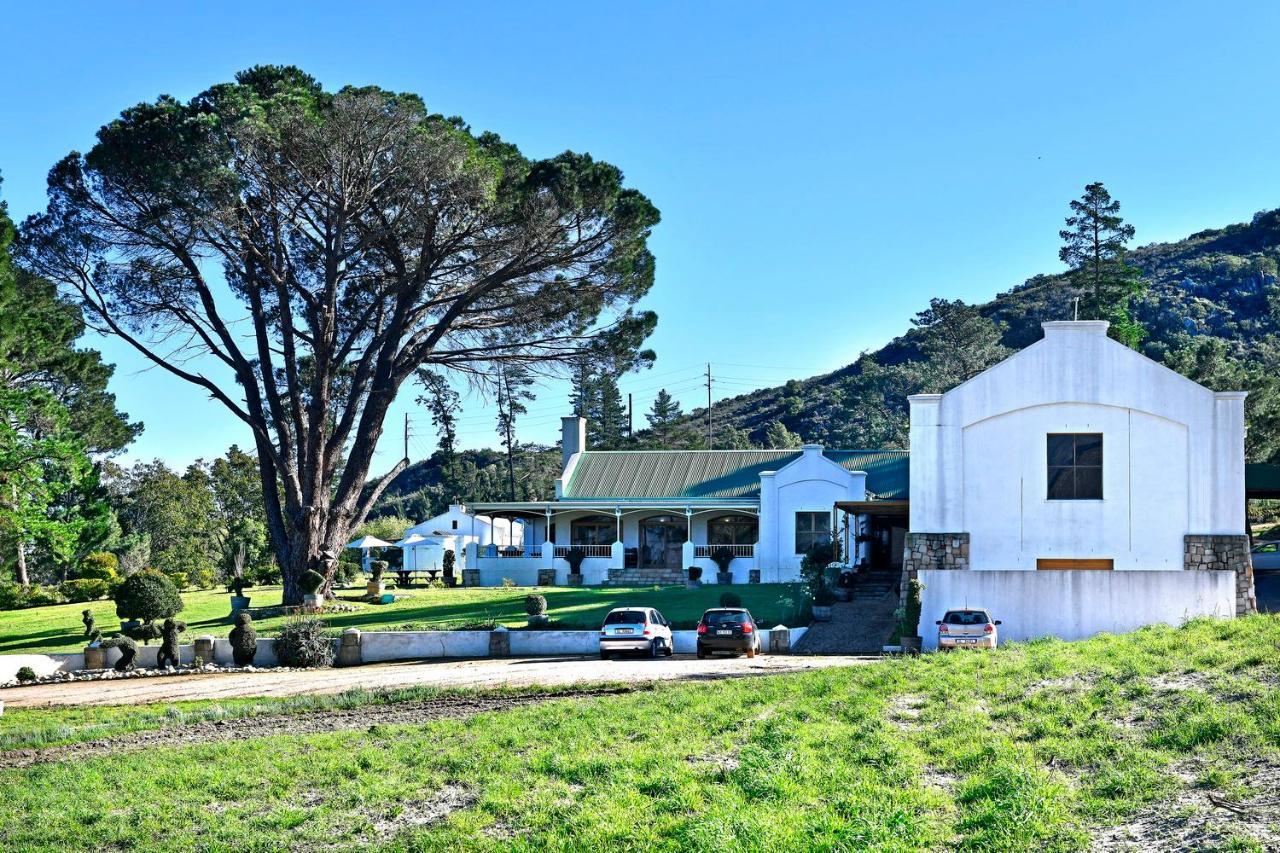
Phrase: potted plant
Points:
(535, 606)
(823, 598)
(375, 586)
(723, 557)
(844, 584)
(909, 627)
(695, 576)
(239, 601)
(311, 582)
(574, 557)
(447, 563)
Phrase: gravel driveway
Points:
(482, 672)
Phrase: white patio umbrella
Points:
(407, 543)
(365, 544)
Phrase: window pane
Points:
(1088, 483)
(1061, 484)
(1088, 449)
(1062, 450)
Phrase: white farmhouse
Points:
(424, 544)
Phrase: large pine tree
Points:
(1094, 244)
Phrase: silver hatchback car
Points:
(1266, 556)
(635, 629)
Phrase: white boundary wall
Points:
(1072, 605)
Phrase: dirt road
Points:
(483, 672)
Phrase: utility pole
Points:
(406, 438)
(710, 446)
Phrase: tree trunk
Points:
(22, 564)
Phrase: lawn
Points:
(58, 628)
(1045, 746)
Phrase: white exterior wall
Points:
(1173, 456)
(1072, 605)
(812, 483)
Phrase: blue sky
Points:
(822, 169)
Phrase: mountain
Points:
(1211, 311)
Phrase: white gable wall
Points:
(811, 483)
(1173, 456)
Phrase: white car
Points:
(970, 628)
(1265, 556)
(635, 629)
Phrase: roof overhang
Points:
(628, 505)
(895, 509)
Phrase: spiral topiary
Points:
(168, 654)
(244, 640)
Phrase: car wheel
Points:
(604, 656)
(668, 648)
(701, 654)
(653, 648)
(751, 651)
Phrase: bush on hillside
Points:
(303, 642)
(84, 589)
(147, 595)
(730, 599)
(100, 565)
(535, 605)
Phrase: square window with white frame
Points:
(812, 528)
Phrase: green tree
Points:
(664, 412)
(957, 342)
(1209, 362)
(513, 392)
(1093, 247)
(176, 512)
(364, 237)
(237, 500)
(607, 415)
(444, 404)
(779, 437)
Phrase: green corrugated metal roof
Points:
(632, 474)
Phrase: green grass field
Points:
(58, 628)
(1045, 746)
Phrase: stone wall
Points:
(936, 551)
(1223, 553)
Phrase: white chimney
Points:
(573, 438)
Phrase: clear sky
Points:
(822, 169)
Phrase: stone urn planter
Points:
(909, 645)
(575, 579)
(843, 594)
(128, 626)
(539, 620)
(546, 577)
(95, 657)
(238, 603)
(375, 589)
(313, 601)
(724, 577)
(822, 613)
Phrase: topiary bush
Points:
(911, 614)
(574, 557)
(303, 642)
(128, 651)
(377, 568)
(722, 557)
(86, 619)
(146, 632)
(448, 561)
(100, 565)
(730, 599)
(147, 595)
(244, 640)
(535, 605)
(311, 581)
(84, 589)
(26, 675)
(168, 654)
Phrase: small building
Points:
(424, 544)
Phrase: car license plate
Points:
(724, 633)
(966, 639)
(624, 631)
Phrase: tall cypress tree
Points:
(1093, 246)
(664, 412)
(608, 420)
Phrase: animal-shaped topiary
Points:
(94, 637)
(128, 651)
(311, 581)
(168, 654)
(244, 640)
(86, 616)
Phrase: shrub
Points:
(236, 585)
(147, 595)
(695, 573)
(168, 655)
(574, 557)
(181, 580)
(346, 573)
(84, 589)
(12, 595)
(508, 583)
(40, 596)
(722, 557)
(204, 578)
(911, 614)
(264, 575)
(146, 632)
(244, 640)
(86, 619)
(100, 565)
(128, 651)
(26, 675)
(376, 569)
(813, 568)
(448, 561)
(535, 605)
(730, 599)
(303, 642)
(824, 597)
(311, 581)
